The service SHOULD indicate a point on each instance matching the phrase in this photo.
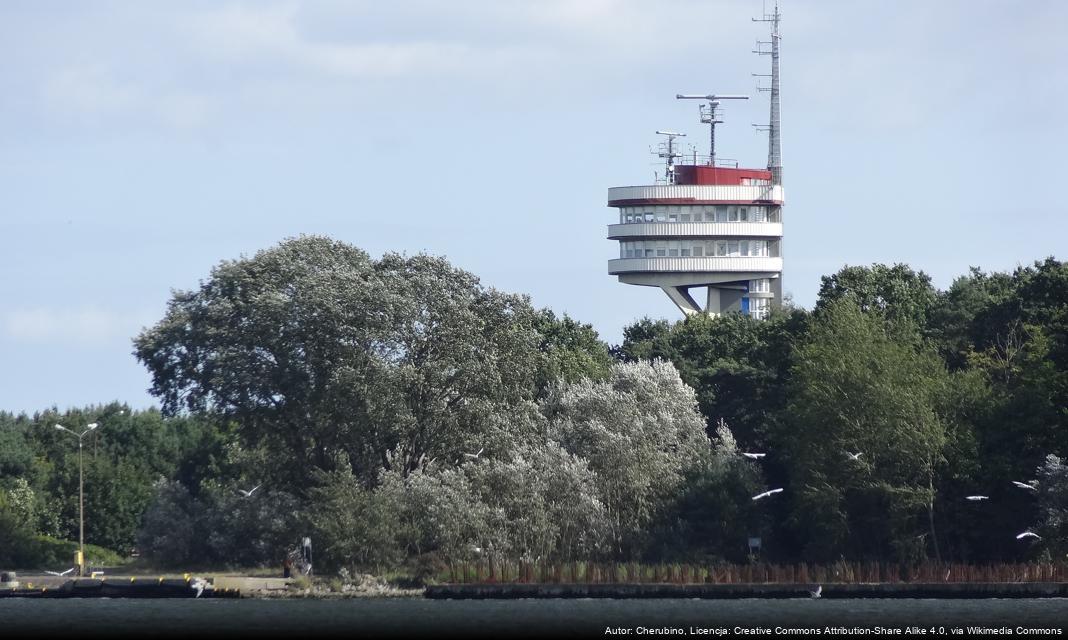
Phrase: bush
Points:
(44, 552)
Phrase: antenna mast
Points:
(774, 125)
(667, 151)
(708, 116)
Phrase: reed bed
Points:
(520, 572)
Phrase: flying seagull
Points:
(817, 592)
(1028, 534)
(58, 573)
(1024, 485)
(854, 456)
(754, 456)
(767, 493)
(474, 456)
(248, 494)
(976, 498)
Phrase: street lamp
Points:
(81, 495)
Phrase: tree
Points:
(640, 432)
(1053, 505)
(859, 385)
(737, 365)
(899, 293)
(713, 515)
(312, 349)
(568, 350)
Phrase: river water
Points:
(513, 618)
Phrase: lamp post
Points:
(81, 495)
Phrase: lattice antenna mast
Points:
(668, 152)
(774, 125)
(708, 116)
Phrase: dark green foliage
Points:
(317, 353)
(569, 350)
(857, 388)
(736, 364)
(980, 367)
(356, 392)
(900, 294)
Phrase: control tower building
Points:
(708, 225)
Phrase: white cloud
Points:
(82, 326)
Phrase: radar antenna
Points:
(668, 152)
(708, 116)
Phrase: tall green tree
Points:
(899, 293)
(640, 431)
(862, 386)
(312, 349)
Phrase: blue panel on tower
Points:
(745, 305)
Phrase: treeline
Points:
(945, 394)
(400, 413)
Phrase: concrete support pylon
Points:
(682, 299)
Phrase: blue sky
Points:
(143, 142)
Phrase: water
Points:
(504, 618)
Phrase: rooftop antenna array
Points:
(709, 115)
(668, 152)
(771, 48)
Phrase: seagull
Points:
(474, 456)
(817, 592)
(199, 584)
(976, 498)
(58, 573)
(754, 456)
(766, 494)
(248, 494)
(1024, 485)
(854, 456)
(1028, 534)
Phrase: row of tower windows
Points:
(692, 248)
(707, 213)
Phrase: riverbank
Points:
(830, 591)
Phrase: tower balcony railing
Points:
(691, 264)
(695, 194)
(694, 229)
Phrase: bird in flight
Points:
(474, 456)
(754, 456)
(1028, 534)
(248, 494)
(58, 573)
(854, 456)
(976, 498)
(767, 493)
(1024, 485)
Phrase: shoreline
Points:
(830, 591)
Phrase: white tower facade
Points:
(715, 228)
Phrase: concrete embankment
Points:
(737, 591)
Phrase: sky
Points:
(141, 143)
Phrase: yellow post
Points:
(78, 560)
